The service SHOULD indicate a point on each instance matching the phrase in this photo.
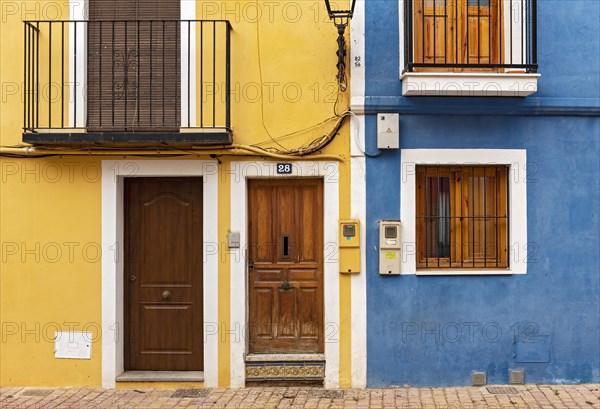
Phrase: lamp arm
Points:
(341, 54)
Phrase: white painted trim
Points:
(469, 84)
(188, 12)
(518, 24)
(359, 281)
(77, 91)
(401, 36)
(358, 306)
(239, 174)
(113, 174)
(516, 159)
(357, 57)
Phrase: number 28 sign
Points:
(284, 168)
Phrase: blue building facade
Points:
(536, 307)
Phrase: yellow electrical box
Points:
(349, 246)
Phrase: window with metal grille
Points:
(464, 35)
(462, 217)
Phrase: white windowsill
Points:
(480, 84)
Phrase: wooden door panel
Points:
(286, 313)
(163, 273)
(308, 318)
(158, 269)
(286, 288)
(262, 249)
(286, 226)
(296, 276)
(264, 275)
(263, 319)
(157, 338)
(310, 207)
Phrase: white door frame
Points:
(240, 172)
(113, 174)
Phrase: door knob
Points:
(286, 285)
(166, 294)
(132, 278)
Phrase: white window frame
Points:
(515, 159)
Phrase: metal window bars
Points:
(462, 217)
(463, 35)
(126, 75)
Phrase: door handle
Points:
(166, 294)
(286, 285)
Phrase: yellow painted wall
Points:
(50, 209)
(50, 280)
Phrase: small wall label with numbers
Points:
(284, 168)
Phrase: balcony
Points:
(469, 48)
(127, 82)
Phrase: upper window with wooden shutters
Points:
(491, 43)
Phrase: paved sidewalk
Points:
(499, 396)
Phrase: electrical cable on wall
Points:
(362, 149)
(279, 151)
(319, 142)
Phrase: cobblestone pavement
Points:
(500, 396)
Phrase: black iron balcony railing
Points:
(470, 35)
(118, 78)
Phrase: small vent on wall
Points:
(478, 378)
(516, 376)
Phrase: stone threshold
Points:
(161, 376)
(285, 358)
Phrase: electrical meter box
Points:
(388, 131)
(349, 246)
(389, 247)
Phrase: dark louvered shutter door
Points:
(134, 65)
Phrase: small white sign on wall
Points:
(72, 345)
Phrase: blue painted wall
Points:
(435, 330)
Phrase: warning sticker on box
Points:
(390, 255)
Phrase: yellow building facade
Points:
(107, 268)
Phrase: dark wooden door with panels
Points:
(163, 274)
(285, 274)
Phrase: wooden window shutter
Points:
(134, 65)
(462, 217)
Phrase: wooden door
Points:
(285, 266)
(163, 274)
(134, 65)
(456, 32)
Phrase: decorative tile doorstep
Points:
(279, 371)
